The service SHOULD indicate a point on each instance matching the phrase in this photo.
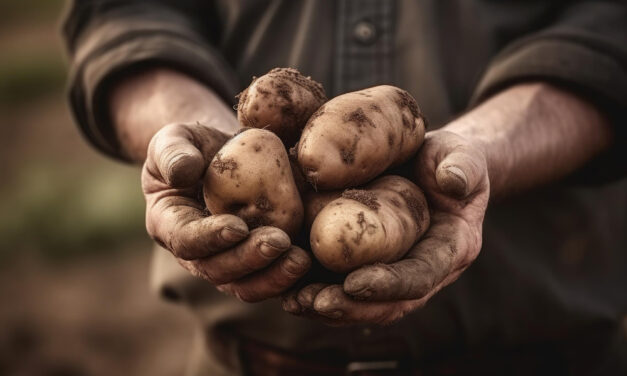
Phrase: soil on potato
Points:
(405, 100)
(348, 155)
(222, 165)
(416, 208)
(364, 197)
(360, 118)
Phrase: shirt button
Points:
(365, 32)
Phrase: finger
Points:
(289, 302)
(332, 302)
(181, 225)
(442, 251)
(180, 153)
(460, 173)
(262, 246)
(307, 295)
(274, 280)
(294, 299)
(291, 305)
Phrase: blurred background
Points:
(74, 255)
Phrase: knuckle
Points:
(181, 249)
(198, 271)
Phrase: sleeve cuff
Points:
(593, 74)
(112, 49)
(559, 60)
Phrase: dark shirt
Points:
(550, 282)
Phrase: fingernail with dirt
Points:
(297, 262)
(232, 235)
(363, 293)
(270, 250)
(277, 239)
(460, 184)
(357, 286)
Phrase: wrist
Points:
(532, 134)
(142, 104)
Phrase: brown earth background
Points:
(74, 257)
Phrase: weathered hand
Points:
(252, 265)
(453, 173)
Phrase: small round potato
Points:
(280, 101)
(379, 223)
(251, 177)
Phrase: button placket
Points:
(363, 44)
(365, 32)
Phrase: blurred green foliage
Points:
(30, 10)
(70, 212)
(29, 75)
(52, 203)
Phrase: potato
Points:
(314, 202)
(280, 101)
(379, 223)
(354, 137)
(251, 177)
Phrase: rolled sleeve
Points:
(584, 51)
(126, 38)
(560, 60)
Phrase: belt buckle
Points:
(356, 368)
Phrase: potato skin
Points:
(281, 101)
(377, 224)
(356, 136)
(251, 177)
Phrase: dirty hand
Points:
(453, 173)
(252, 265)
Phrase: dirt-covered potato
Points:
(379, 223)
(251, 177)
(281, 101)
(354, 137)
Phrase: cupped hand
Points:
(252, 265)
(453, 173)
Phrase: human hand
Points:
(252, 265)
(452, 171)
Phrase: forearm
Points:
(142, 104)
(533, 134)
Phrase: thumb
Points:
(460, 172)
(180, 153)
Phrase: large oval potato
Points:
(251, 177)
(354, 137)
(379, 223)
(281, 101)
